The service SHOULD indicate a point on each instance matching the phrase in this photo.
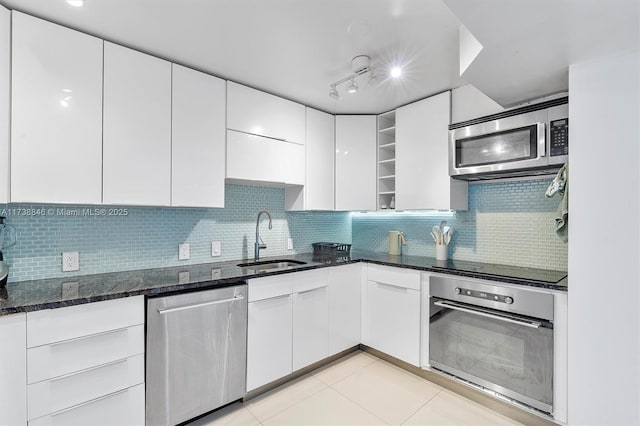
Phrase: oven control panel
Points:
(484, 295)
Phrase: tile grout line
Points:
(364, 408)
(422, 406)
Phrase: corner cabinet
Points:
(198, 138)
(137, 128)
(56, 140)
(422, 158)
(356, 162)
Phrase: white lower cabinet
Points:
(269, 334)
(310, 317)
(121, 408)
(344, 306)
(84, 360)
(391, 314)
(13, 369)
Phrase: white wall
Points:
(604, 295)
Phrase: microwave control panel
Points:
(559, 135)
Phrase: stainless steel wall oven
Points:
(499, 338)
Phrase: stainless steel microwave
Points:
(526, 141)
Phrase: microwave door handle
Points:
(482, 313)
(542, 140)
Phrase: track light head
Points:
(334, 92)
(352, 87)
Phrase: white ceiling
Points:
(529, 45)
(292, 48)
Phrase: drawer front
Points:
(55, 325)
(67, 391)
(57, 359)
(124, 407)
(309, 280)
(268, 287)
(407, 278)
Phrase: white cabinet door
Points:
(269, 340)
(320, 156)
(393, 320)
(310, 317)
(5, 101)
(422, 158)
(13, 370)
(198, 139)
(355, 162)
(259, 159)
(56, 140)
(259, 113)
(137, 128)
(344, 307)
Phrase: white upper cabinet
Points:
(258, 159)
(137, 128)
(5, 101)
(198, 139)
(259, 113)
(318, 190)
(422, 158)
(355, 162)
(56, 140)
(468, 103)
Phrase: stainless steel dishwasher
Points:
(196, 353)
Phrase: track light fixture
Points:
(360, 65)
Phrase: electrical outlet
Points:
(184, 251)
(183, 277)
(216, 249)
(216, 273)
(70, 290)
(289, 243)
(70, 261)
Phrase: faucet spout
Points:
(259, 243)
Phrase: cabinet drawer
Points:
(76, 388)
(57, 359)
(55, 325)
(124, 407)
(399, 277)
(268, 287)
(309, 280)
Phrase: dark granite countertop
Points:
(26, 296)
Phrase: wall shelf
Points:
(386, 158)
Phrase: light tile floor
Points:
(358, 389)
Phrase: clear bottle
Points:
(392, 203)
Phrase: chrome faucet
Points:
(259, 243)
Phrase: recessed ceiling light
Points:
(76, 3)
(396, 72)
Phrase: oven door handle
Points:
(483, 313)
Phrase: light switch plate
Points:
(216, 273)
(184, 252)
(289, 244)
(183, 277)
(216, 249)
(70, 261)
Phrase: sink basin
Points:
(271, 265)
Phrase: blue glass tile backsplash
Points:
(148, 237)
(508, 222)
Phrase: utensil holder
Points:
(442, 251)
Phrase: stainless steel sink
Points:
(271, 265)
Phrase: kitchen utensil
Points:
(448, 235)
(438, 234)
(442, 225)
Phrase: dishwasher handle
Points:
(200, 305)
